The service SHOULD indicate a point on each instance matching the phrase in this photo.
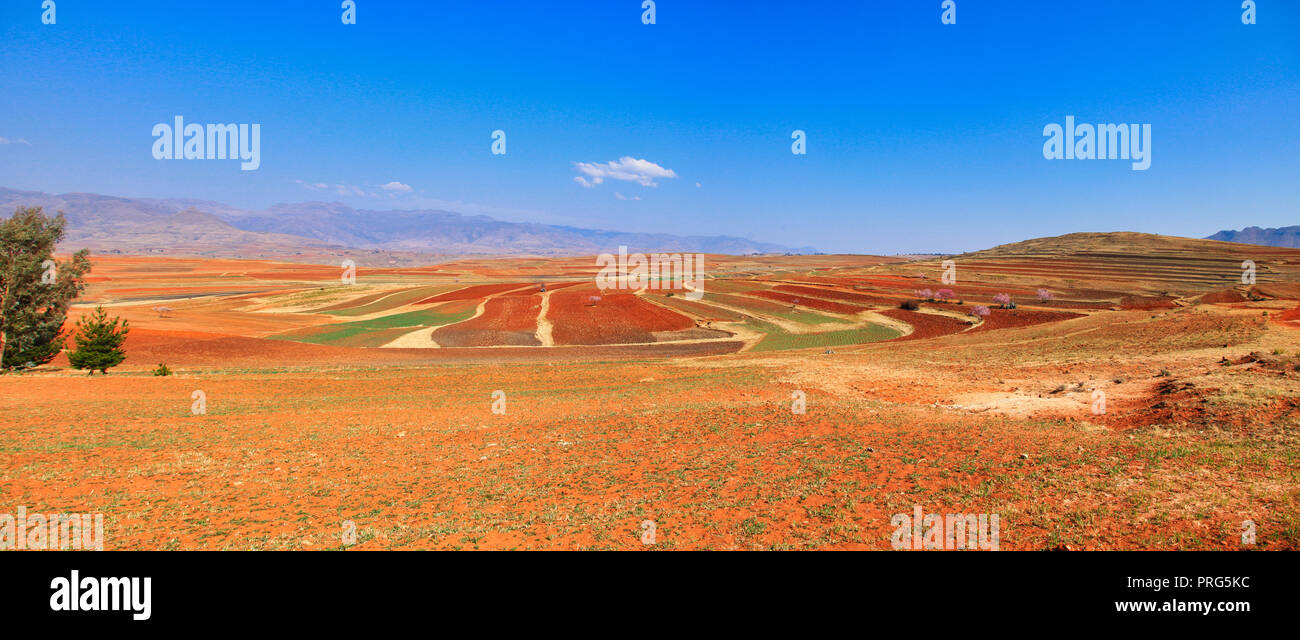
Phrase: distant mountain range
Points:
(1282, 237)
(311, 229)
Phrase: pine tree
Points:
(99, 342)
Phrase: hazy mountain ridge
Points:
(1279, 237)
(212, 228)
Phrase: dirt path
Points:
(418, 339)
(423, 338)
(903, 328)
(544, 325)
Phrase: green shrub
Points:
(99, 342)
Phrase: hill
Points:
(1144, 262)
(1280, 237)
(310, 230)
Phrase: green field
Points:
(778, 339)
(384, 302)
(355, 333)
(771, 308)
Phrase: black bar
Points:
(237, 589)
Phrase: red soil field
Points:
(747, 303)
(1008, 318)
(302, 273)
(861, 298)
(926, 325)
(1226, 296)
(361, 301)
(732, 286)
(550, 286)
(215, 352)
(884, 282)
(1147, 302)
(810, 303)
(194, 290)
(1201, 419)
(616, 318)
(476, 292)
(1071, 304)
(507, 320)
(705, 311)
(1290, 317)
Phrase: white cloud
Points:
(627, 168)
(390, 190)
(17, 141)
(396, 187)
(623, 197)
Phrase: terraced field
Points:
(810, 302)
(476, 292)
(378, 331)
(777, 339)
(383, 301)
(702, 310)
(609, 318)
(506, 320)
(693, 427)
(770, 308)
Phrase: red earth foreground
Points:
(476, 421)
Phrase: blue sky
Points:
(921, 136)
